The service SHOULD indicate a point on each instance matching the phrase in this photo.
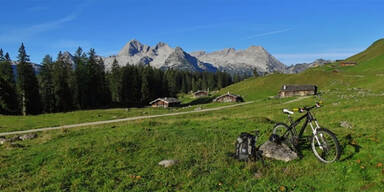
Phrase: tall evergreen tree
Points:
(62, 91)
(82, 79)
(8, 96)
(172, 83)
(97, 90)
(130, 86)
(145, 86)
(27, 84)
(115, 82)
(47, 88)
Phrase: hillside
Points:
(372, 52)
(368, 73)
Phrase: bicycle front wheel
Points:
(325, 146)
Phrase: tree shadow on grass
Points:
(347, 143)
(198, 101)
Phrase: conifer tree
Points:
(8, 96)
(27, 84)
(82, 78)
(47, 88)
(115, 82)
(97, 90)
(145, 86)
(62, 91)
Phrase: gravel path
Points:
(120, 120)
(297, 99)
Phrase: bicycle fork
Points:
(314, 131)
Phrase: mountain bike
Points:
(324, 143)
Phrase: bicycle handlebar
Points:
(305, 108)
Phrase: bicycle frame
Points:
(309, 118)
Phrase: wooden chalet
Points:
(226, 98)
(297, 90)
(200, 93)
(165, 102)
(344, 64)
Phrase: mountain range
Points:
(229, 60)
(297, 68)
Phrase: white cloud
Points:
(268, 33)
(22, 34)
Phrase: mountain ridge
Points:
(228, 60)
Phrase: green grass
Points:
(19, 123)
(124, 156)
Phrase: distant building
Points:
(200, 93)
(229, 98)
(165, 102)
(343, 64)
(297, 90)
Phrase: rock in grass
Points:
(258, 174)
(28, 136)
(2, 140)
(14, 138)
(168, 163)
(278, 151)
(345, 124)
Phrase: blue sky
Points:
(293, 31)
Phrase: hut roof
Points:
(200, 91)
(227, 94)
(298, 88)
(166, 100)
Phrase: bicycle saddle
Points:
(286, 111)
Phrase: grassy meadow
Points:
(19, 123)
(124, 156)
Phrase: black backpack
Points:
(246, 147)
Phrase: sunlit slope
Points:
(367, 74)
(373, 51)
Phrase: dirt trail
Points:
(120, 120)
(297, 99)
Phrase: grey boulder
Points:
(2, 140)
(28, 136)
(278, 151)
(168, 163)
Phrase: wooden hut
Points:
(226, 98)
(344, 64)
(297, 90)
(200, 93)
(165, 102)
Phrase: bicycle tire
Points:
(322, 132)
(281, 128)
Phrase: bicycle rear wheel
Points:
(325, 146)
(286, 136)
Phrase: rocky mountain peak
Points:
(198, 53)
(179, 50)
(160, 44)
(133, 47)
(256, 48)
(67, 57)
